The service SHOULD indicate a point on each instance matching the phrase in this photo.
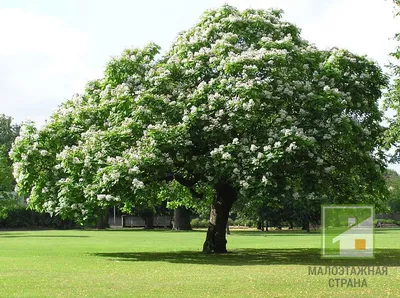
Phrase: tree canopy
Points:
(241, 109)
(393, 183)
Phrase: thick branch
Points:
(184, 181)
(189, 184)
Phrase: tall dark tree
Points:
(181, 220)
(8, 133)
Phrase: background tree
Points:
(8, 133)
(393, 182)
(8, 199)
(239, 110)
(6, 176)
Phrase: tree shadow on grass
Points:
(298, 232)
(259, 257)
(132, 230)
(274, 233)
(386, 230)
(42, 236)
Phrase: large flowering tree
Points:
(241, 110)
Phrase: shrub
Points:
(387, 221)
(195, 222)
(199, 223)
(29, 219)
(204, 223)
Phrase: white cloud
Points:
(22, 31)
(42, 62)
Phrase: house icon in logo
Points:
(356, 241)
(347, 231)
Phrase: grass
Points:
(137, 263)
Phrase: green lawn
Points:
(136, 263)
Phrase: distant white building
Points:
(358, 240)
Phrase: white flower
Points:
(253, 148)
(44, 152)
(137, 184)
(267, 148)
(214, 152)
(291, 147)
(235, 141)
(327, 137)
(244, 184)
(220, 113)
(311, 196)
(329, 169)
(101, 197)
(264, 180)
(226, 156)
(277, 144)
(193, 109)
(115, 175)
(134, 170)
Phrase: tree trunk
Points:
(306, 226)
(222, 203)
(181, 219)
(102, 219)
(149, 222)
(262, 221)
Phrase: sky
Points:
(50, 49)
